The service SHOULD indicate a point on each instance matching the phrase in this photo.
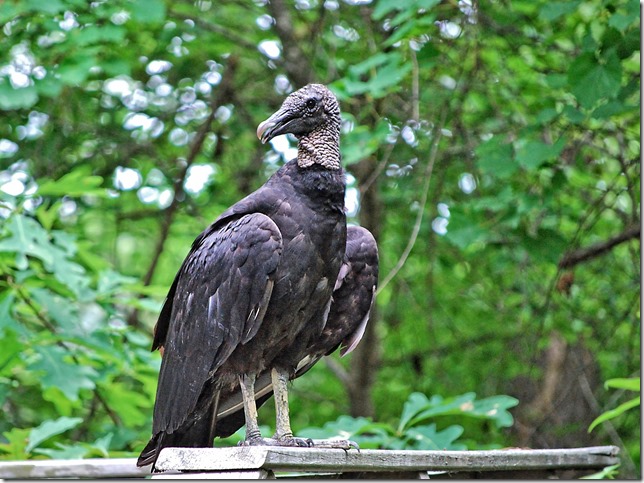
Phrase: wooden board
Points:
(89, 468)
(311, 459)
(265, 462)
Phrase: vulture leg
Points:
(253, 435)
(283, 433)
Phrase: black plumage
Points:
(353, 296)
(265, 291)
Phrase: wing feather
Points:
(216, 302)
(354, 294)
(353, 298)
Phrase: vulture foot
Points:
(294, 442)
(284, 441)
(344, 444)
(257, 441)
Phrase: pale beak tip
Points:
(262, 129)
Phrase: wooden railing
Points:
(269, 462)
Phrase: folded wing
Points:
(216, 302)
(353, 298)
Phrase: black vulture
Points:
(272, 285)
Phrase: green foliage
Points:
(608, 473)
(67, 355)
(632, 384)
(525, 114)
(412, 432)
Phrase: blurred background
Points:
(493, 149)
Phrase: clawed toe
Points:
(278, 441)
(259, 441)
(344, 444)
(290, 441)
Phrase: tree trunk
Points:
(366, 357)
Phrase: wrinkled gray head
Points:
(313, 108)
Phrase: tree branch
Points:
(218, 29)
(222, 93)
(296, 63)
(423, 201)
(218, 98)
(575, 257)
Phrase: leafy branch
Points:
(575, 257)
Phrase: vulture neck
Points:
(321, 147)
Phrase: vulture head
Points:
(312, 110)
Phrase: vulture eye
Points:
(311, 103)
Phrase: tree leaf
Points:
(416, 402)
(427, 438)
(50, 6)
(127, 403)
(630, 384)
(11, 99)
(466, 228)
(493, 408)
(390, 69)
(494, 157)
(78, 182)
(93, 34)
(362, 142)
(613, 413)
(16, 443)
(9, 11)
(591, 80)
(534, 153)
(548, 245)
(27, 238)
(361, 430)
(50, 428)
(49, 86)
(56, 372)
(11, 348)
(8, 324)
(612, 108)
(148, 11)
(553, 10)
(64, 452)
(608, 473)
(55, 308)
(74, 70)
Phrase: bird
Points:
(273, 284)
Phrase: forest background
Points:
(492, 148)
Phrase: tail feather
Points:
(199, 433)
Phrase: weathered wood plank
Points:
(89, 468)
(311, 459)
(263, 462)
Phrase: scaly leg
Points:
(253, 435)
(283, 433)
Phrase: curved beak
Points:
(274, 126)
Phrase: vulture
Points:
(275, 283)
